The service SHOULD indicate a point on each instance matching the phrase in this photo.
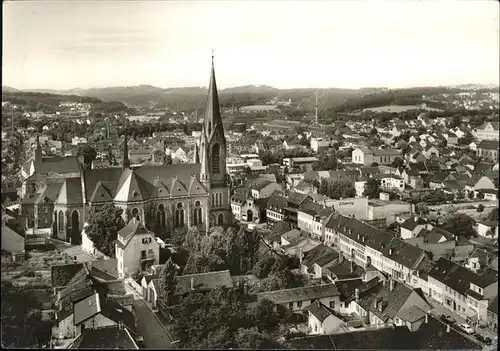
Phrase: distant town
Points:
(251, 218)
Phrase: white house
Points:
(487, 229)
(322, 321)
(136, 249)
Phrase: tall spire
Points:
(212, 110)
(126, 161)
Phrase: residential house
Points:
(487, 229)
(275, 209)
(263, 188)
(136, 249)
(189, 283)
(430, 151)
(488, 149)
(314, 262)
(321, 320)
(412, 226)
(479, 260)
(13, 240)
(487, 131)
(420, 332)
(297, 299)
(295, 201)
(111, 337)
(311, 218)
(463, 291)
(367, 157)
(390, 182)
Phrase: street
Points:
(150, 328)
(439, 310)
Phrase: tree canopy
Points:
(22, 324)
(88, 153)
(460, 224)
(104, 224)
(221, 319)
(372, 188)
(336, 189)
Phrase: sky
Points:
(284, 44)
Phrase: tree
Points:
(168, 280)
(22, 324)
(460, 224)
(104, 224)
(480, 208)
(264, 316)
(326, 162)
(372, 188)
(88, 153)
(373, 132)
(422, 208)
(252, 339)
(398, 162)
(493, 215)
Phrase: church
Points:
(59, 193)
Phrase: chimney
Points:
(120, 325)
(341, 257)
(352, 267)
(300, 255)
(415, 218)
(356, 294)
(380, 305)
(375, 302)
(391, 284)
(192, 284)
(245, 289)
(426, 318)
(448, 328)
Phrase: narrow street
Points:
(149, 326)
(439, 310)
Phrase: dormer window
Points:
(134, 193)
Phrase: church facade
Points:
(58, 200)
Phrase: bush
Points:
(30, 274)
(480, 208)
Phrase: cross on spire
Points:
(212, 57)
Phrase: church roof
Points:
(212, 110)
(70, 192)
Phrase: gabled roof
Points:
(61, 275)
(277, 201)
(195, 187)
(112, 337)
(178, 188)
(488, 145)
(403, 253)
(70, 192)
(319, 311)
(203, 281)
(132, 188)
(412, 222)
(299, 294)
(102, 192)
(320, 255)
(131, 229)
(432, 335)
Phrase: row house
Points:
(275, 208)
(311, 218)
(462, 291)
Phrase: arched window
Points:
(197, 215)
(161, 216)
(135, 214)
(220, 219)
(215, 158)
(61, 220)
(179, 215)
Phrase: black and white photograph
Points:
(237, 174)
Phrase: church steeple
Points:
(212, 110)
(126, 161)
(212, 141)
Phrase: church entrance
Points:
(249, 216)
(76, 235)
